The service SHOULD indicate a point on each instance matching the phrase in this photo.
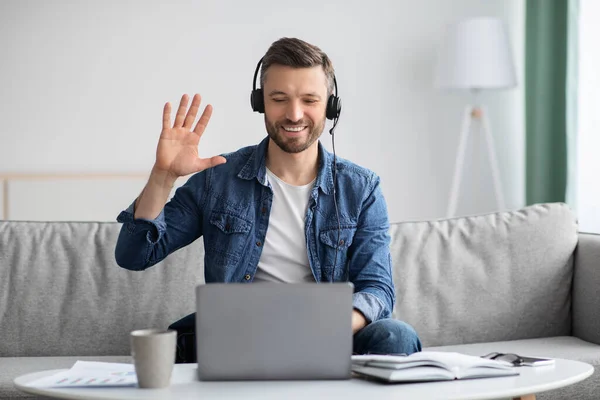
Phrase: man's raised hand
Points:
(177, 151)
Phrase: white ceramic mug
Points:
(153, 352)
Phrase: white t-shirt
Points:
(284, 256)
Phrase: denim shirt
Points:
(229, 206)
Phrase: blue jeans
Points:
(386, 336)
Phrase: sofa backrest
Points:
(463, 280)
(62, 293)
(499, 276)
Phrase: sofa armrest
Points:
(586, 285)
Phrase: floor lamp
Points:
(475, 56)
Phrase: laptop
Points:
(274, 331)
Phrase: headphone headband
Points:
(256, 73)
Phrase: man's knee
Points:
(405, 333)
(396, 336)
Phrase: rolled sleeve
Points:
(143, 243)
(369, 305)
(156, 227)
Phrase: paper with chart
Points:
(90, 374)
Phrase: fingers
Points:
(217, 160)
(167, 116)
(203, 121)
(186, 120)
(192, 112)
(205, 163)
(180, 117)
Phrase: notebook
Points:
(429, 366)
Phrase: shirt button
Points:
(258, 243)
(247, 277)
(263, 210)
(341, 242)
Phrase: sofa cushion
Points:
(13, 367)
(484, 278)
(62, 293)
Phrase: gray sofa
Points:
(522, 281)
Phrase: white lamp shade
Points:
(476, 54)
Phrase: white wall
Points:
(82, 85)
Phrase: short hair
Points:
(297, 53)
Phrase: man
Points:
(276, 211)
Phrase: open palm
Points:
(177, 151)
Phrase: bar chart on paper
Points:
(90, 374)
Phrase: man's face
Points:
(295, 103)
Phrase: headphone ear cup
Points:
(334, 107)
(257, 101)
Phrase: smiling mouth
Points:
(293, 128)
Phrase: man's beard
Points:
(294, 144)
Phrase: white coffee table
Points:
(184, 385)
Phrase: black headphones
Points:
(257, 100)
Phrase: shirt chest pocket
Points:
(228, 236)
(330, 242)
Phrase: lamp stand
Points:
(471, 113)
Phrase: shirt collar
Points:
(255, 167)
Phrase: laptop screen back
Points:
(274, 331)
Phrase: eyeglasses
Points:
(512, 358)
